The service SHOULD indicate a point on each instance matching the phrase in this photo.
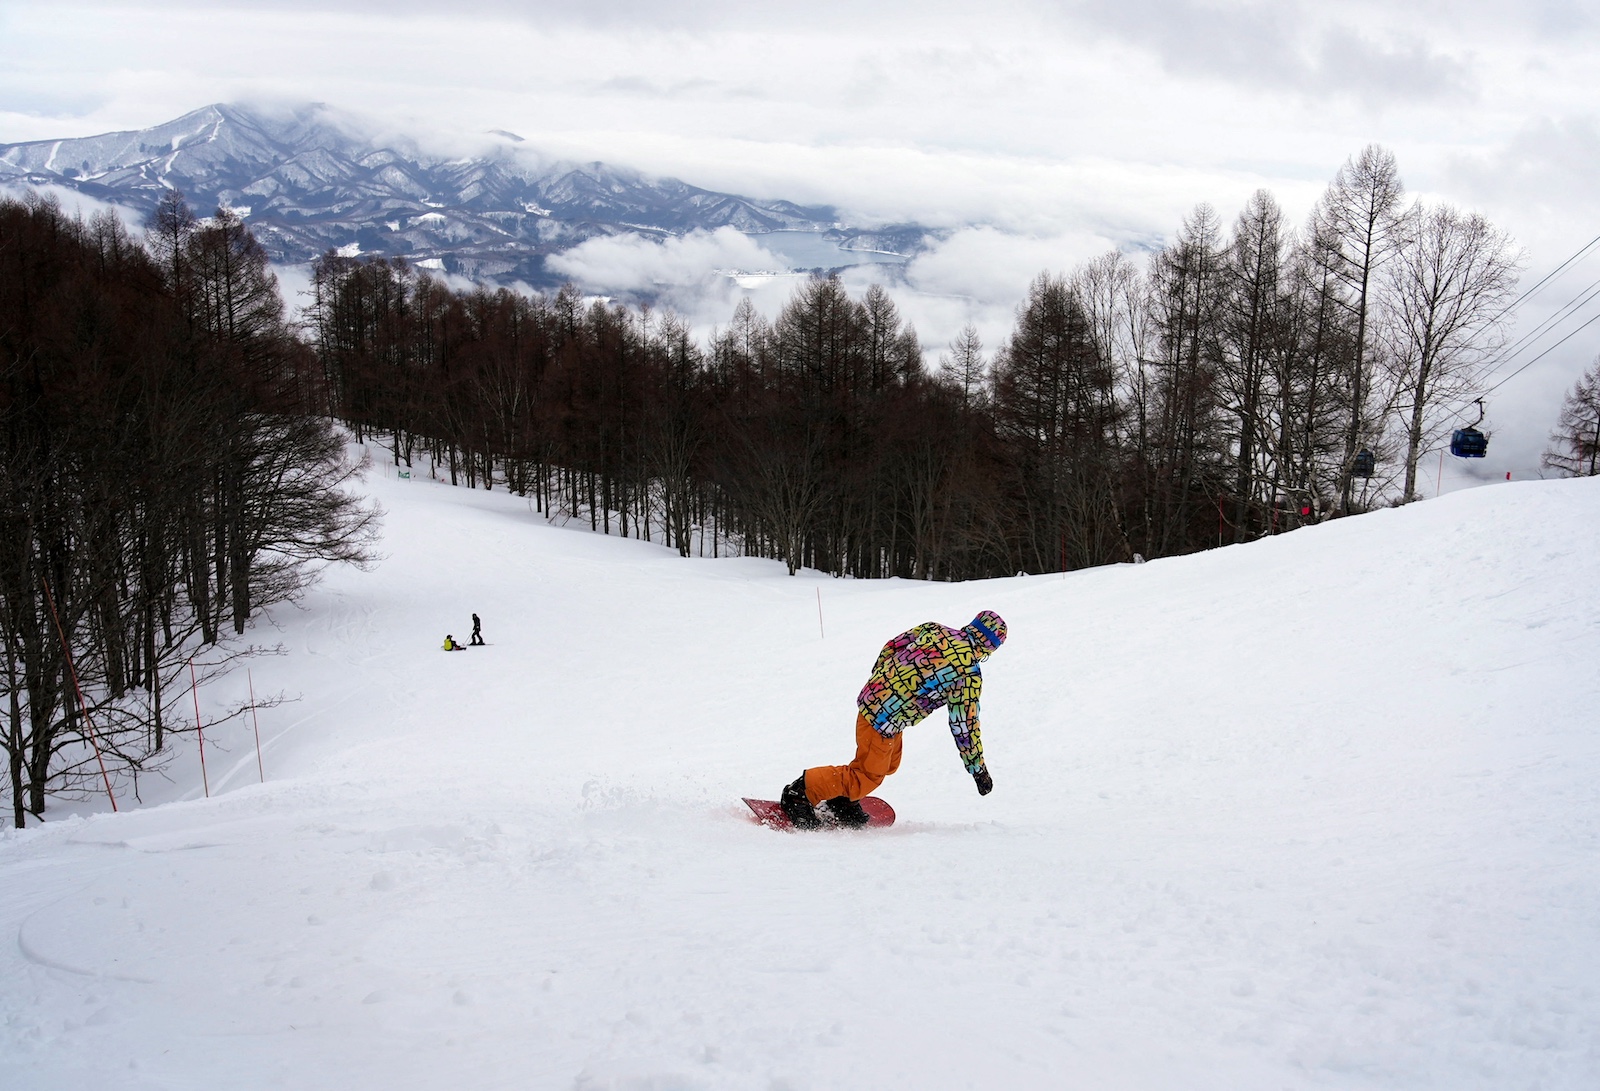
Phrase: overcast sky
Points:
(1051, 130)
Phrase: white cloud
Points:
(689, 274)
(635, 263)
(989, 266)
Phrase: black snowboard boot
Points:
(847, 812)
(797, 806)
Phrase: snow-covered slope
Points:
(1318, 812)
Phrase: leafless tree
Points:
(1574, 449)
(1447, 288)
(964, 368)
(1357, 226)
(158, 467)
(1250, 331)
(1181, 468)
(1055, 412)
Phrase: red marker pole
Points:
(82, 704)
(260, 768)
(195, 689)
(820, 633)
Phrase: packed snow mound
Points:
(1320, 811)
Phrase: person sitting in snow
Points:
(450, 644)
(916, 672)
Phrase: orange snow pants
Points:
(876, 757)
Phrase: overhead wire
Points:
(1479, 398)
(1545, 281)
(1595, 318)
(1526, 341)
(1529, 293)
(1592, 320)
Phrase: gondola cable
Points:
(1527, 340)
(1546, 279)
(1542, 355)
(1583, 297)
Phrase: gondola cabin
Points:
(1364, 464)
(1469, 443)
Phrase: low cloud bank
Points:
(977, 275)
(689, 273)
(74, 203)
(990, 266)
(638, 264)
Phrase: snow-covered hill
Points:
(311, 179)
(1317, 812)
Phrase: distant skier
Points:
(916, 672)
(477, 631)
(450, 644)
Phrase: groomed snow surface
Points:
(1317, 812)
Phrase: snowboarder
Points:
(916, 672)
(450, 644)
(477, 631)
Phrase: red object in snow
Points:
(769, 813)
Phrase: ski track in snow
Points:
(1317, 812)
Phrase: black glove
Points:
(984, 781)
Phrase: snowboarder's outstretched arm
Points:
(964, 726)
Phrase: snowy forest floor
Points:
(1316, 812)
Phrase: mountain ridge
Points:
(309, 180)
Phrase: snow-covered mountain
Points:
(310, 179)
(1321, 811)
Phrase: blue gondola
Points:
(1364, 464)
(1468, 442)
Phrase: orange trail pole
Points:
(195, 689)
(82, 704)
(260, 768)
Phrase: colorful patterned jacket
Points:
(918, 671)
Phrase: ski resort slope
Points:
(1322, 811)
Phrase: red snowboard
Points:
(769, 813)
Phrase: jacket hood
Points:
(986, 632)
